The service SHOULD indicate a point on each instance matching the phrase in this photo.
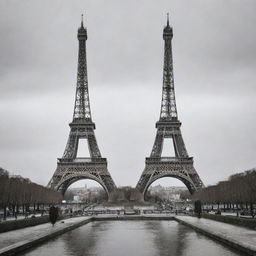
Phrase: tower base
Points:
(70, 171)
(180, 168)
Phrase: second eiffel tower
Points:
(179, 166)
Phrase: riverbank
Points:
(239, 238)
(238, 221)
(10, 225)
(19, 240)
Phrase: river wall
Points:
(22, 223)
(242, 221)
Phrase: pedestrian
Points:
(53, 214)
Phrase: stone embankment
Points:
(238, 221)
(19, 240)
(239, 238)
(22, 223)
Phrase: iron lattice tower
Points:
(181, 165)
(70, 168)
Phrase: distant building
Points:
(76, 199)
(83, 194)
(168, 193)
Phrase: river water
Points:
(125, 238)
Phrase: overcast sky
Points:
(214, 51)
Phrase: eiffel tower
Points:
(71, 168)
(179, 166)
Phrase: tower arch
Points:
(68, 181)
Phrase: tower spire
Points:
(82, 112)
(82, 20)
(168, 104)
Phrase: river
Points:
(125, 238)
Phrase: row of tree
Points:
(239, 190)
(16, 192)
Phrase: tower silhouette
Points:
(180, 165)
(71, 168)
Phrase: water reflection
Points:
(125, 238)
(168, 237)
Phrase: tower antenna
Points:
(82, 20)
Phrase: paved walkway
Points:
(238, 237)
(15, 240)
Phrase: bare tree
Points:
(15, 191)
(239, 189)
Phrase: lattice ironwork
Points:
(179, 166)
(70, 168)
(168, 105)
(82, 104)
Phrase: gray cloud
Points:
(214, 65)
